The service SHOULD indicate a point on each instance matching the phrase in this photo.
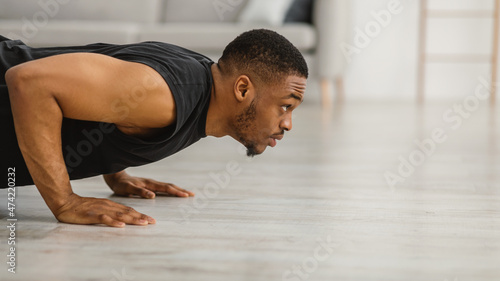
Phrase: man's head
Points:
(267, 76)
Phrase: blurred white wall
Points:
(386, 68)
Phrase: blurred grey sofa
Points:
(205, 26)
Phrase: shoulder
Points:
(174, 63)
(185, 75)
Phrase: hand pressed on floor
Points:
(88, 210)
(125, 185)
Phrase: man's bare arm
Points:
(86, 87)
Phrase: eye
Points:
(285, 107)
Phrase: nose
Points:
(286, 123)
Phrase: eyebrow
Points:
(292, 95)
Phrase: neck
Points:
(217, 119)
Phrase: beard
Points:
(245, 122)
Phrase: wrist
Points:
(111, 179)
(56, 203)
(63, 205)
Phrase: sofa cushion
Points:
(68, 33)
(144, 11)
(213, 37)
(202, 10)
(265, 11)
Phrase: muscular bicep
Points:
(96, 87)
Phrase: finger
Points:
(130, 216)
(189, 193)
(107, 220)
(140, 191)
(170, 189)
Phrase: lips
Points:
(278, 137)
(273, 140)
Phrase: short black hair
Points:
(263, 54)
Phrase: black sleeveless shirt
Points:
(96, 148)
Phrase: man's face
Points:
(269, 115)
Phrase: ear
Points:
(244, 89)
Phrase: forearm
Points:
(37, 120)
(80, 86)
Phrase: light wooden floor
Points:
(316, 207)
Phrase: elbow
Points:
(13, 78)
(12, 75)
(16, 78)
